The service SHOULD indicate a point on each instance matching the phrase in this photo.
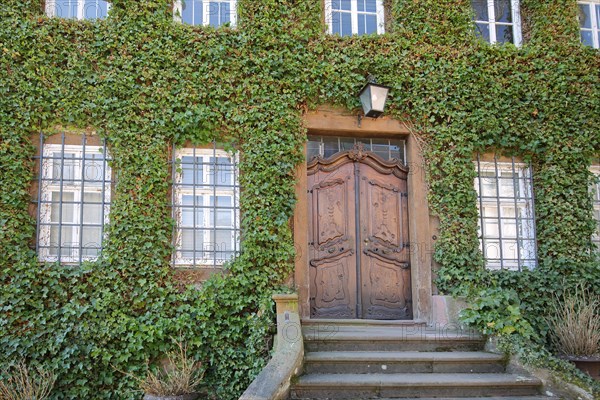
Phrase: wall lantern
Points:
(373, 97)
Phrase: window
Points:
(326, 146)
(354, 17)
(589, 22)
(206, 12)
(77, 9)
(506, 214)
(498, 21)
(596, 192)
(205, 207)
(74, 201)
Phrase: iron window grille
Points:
(206, 12)
(354, 17)
(596, 193)
(589, 23)
(498, 21)
(326, 146)
(77, 9)
(206, 207)
(506, 214)
(73, 201)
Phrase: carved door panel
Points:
(358, 238)
(385, 273)
(332, 243)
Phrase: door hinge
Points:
(406, 245)
(404, 194)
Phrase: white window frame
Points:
(51, 9)
(516, 22)
(208, 191)
(49, 185)
(206, 4)
(500, 204)
(595, 169)
(380, 13)
(595, 29)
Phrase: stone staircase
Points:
(354, 359)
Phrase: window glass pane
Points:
(221, 171)
(509, 223)
(507, 184)
(188, 210)
(91, 240)
(313, 147)
(502, 11)
(587, 38)
(362, 28)
(341, 5)
(191, 12)
(67, 215)
(481, 10)
(67, 246)
(212, 8)
(397, 151)
(371, 6)
(93, 169)
(192, 243)
(225, 12)
(482, 31)
(192, 170)
(597, 6)
(346, 28)
(381, 148)
(336, 23)
(492, 249)
(93, 9)
(66, 8)
(330, 146)
(92, 208)
(504, 34)
(585, 18)
(371, 24)
(64, 165)
(346, 143)
(488, 184)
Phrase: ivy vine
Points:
(147, 83)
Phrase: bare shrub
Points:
(22, 384)
(179, 374)
(575, 325)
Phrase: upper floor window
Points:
(498, 21)
(589, 22)
(206, 206)
(77, 9)
(206, 12)
(506, 214)
(354, 17)
(596, 193)
(73, 201)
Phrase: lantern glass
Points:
(373, 98)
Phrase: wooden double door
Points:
(358, 237)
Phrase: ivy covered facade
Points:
(152, 144)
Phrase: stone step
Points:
(386, 362)
(376, 386)
(335, 337)
(363, 322)
(478, 398)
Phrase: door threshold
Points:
(363, 322)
